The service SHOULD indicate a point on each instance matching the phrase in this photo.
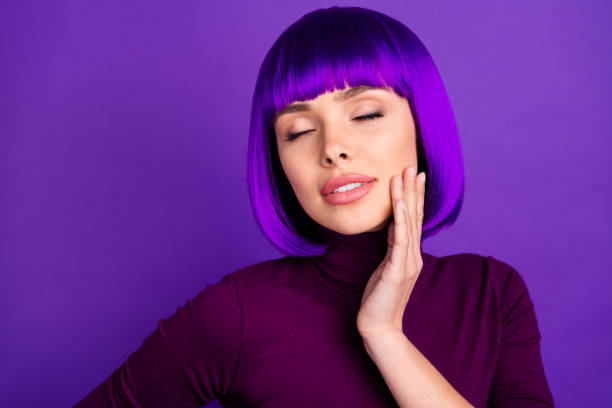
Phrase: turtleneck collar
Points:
(350, 260)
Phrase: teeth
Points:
(347, 187)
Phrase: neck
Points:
(350, 260)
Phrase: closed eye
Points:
(292, 136)
(362, 118)
(369, 116)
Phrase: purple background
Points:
(123, 136)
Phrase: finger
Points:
(400, 245)
(399, 251)
(410, 200)
(420, 203)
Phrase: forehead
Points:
(339, 95)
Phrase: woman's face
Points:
(333, 141)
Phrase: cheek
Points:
(295, 174)
(402, 152)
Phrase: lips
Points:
(340, 181)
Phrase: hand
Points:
(390, 286)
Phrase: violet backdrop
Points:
(123, 137)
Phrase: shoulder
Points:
(262, 268)
(265, 271)
(260, 277)
(469, 264)
(221, 303)
(475, 271)
(226, 293)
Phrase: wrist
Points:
(381, 339)
(372, 334)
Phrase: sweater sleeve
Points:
(519, 379)
(188, 361)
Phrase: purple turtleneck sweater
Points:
(282, 333)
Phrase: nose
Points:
(336, 145)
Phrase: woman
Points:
(353, 157)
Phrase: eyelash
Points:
(361, 118)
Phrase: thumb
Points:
(391, 234)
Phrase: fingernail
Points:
(413, 172)
(398, 182)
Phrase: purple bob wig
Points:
(323, 51)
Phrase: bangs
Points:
(330, 49)
(327, 53)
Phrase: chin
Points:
(352, 227)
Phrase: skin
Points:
(337, 143)
(411, 378)
(334, 143)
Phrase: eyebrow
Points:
(302, 107)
